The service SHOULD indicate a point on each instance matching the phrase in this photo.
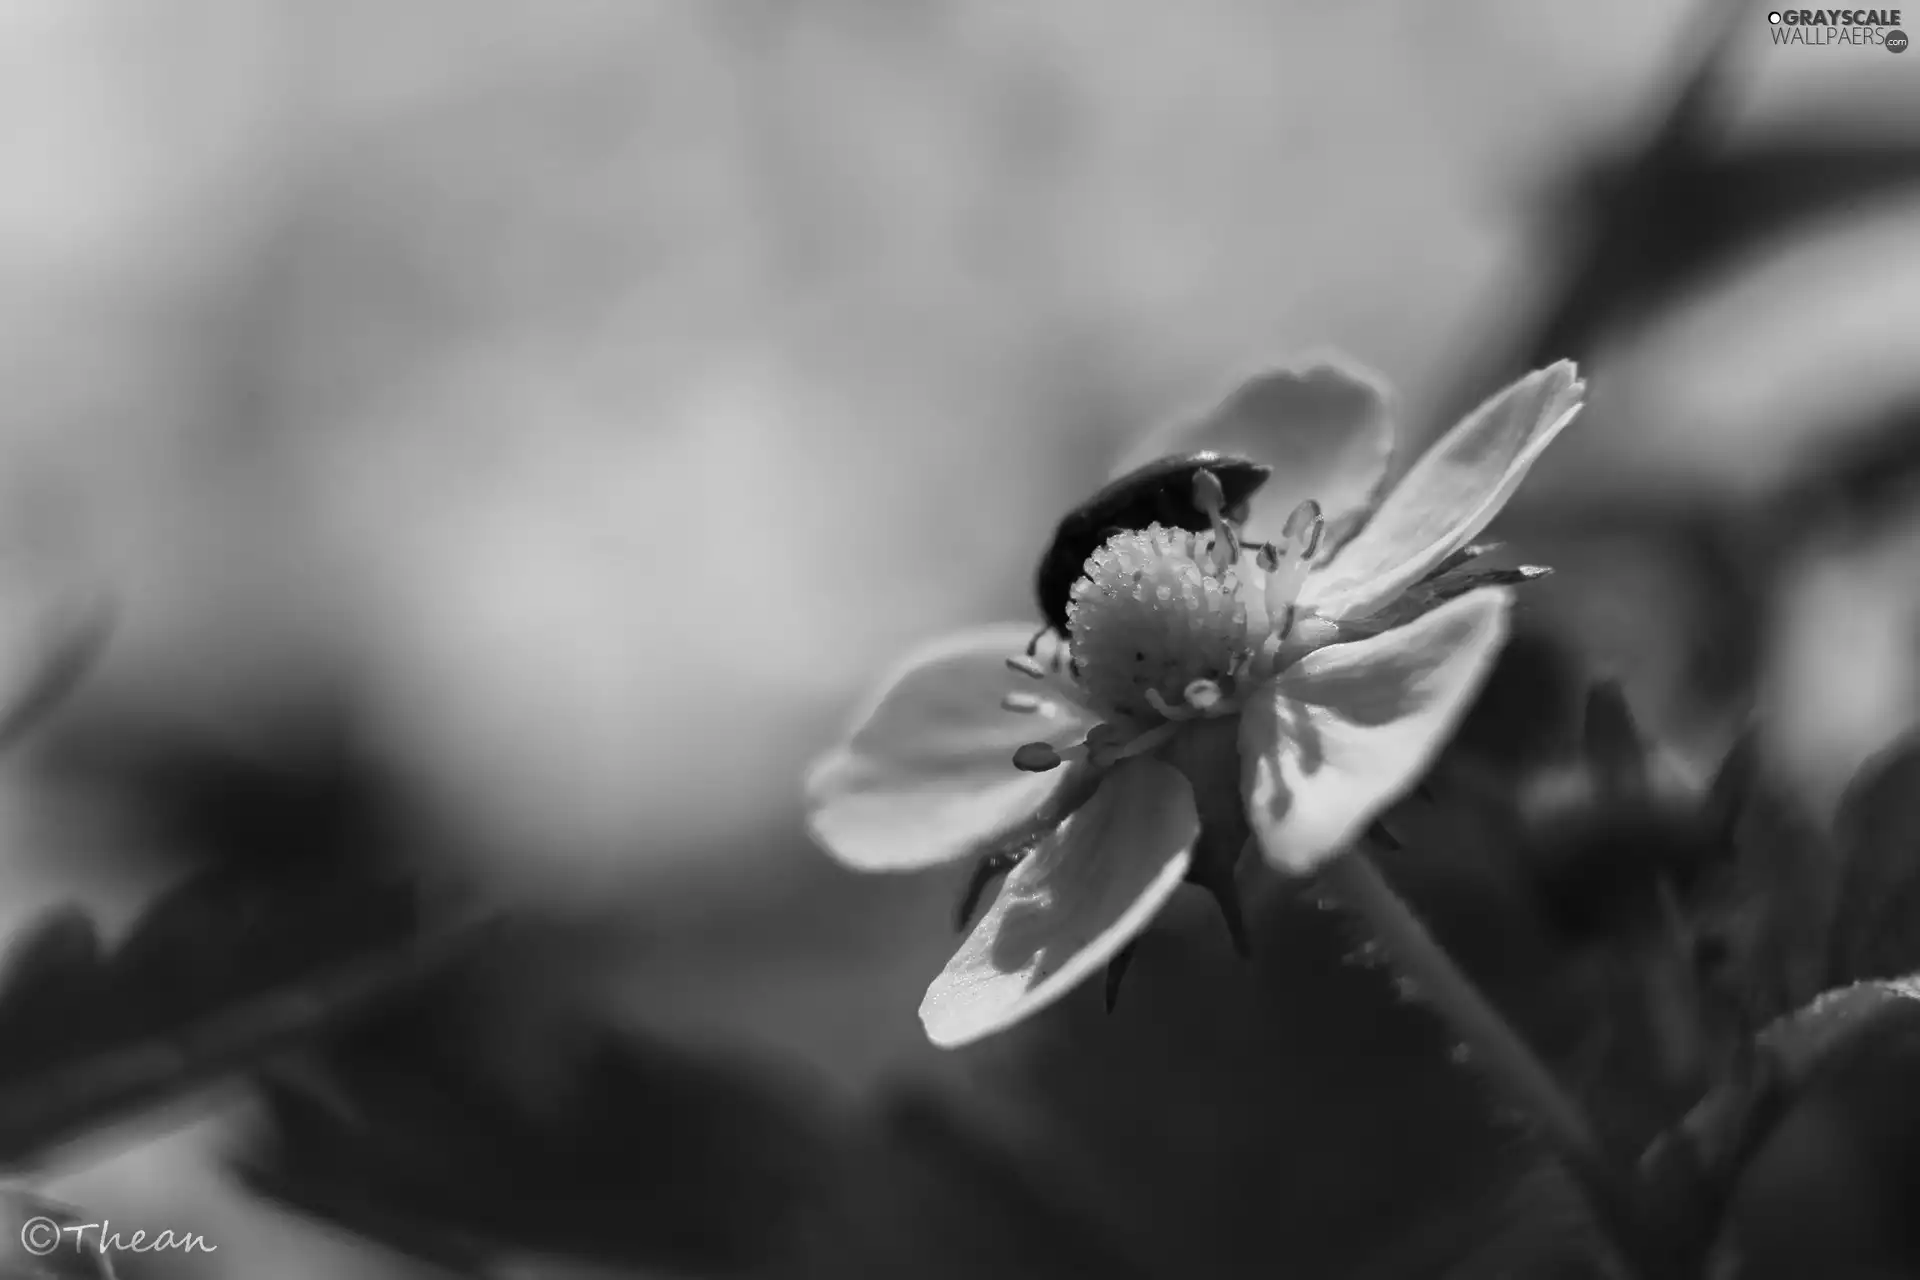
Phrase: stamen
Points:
(1303, 531)
(1209, 496)
(1315, 531)
(1024, 703)
(1224, 550)
(1108, 753)
(1106, 743)
(1026, 666)
(1037, 757)
(1299, 519)
(1281, 589)
(1102, 738)
(1165, 708)
(1203, 695)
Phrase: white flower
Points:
(1220, 690)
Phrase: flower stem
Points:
(1493, 1045)
(1489, 1038)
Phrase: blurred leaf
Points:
(225, 969)
(1874, 471)
(1672, 221)
(1637, 231)
(1529, 709)
(1768, 914)
(311, 786)
(74, 644)
(1615, 200)
(1832, 1024)
(1876, 929)
(1834, 1173)
(425, 1130)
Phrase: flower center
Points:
(1169, 626)
(1158, 624)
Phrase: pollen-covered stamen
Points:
(1156, 612)
(1023, 703)
(1021, 664)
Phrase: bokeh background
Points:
(595, 396)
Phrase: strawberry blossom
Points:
(1273, 683)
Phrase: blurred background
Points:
(558, 413)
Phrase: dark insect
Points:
(1162, 492)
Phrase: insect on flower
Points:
(1273, 682)
(1168, 491)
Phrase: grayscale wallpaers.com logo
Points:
(1839, 26)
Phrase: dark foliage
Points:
(230, 967)
(928, 1187)
(1831, 1154)
(1877, 929)
(312, 791)
(465, 1129)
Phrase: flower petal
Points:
(1322, 424)
(926, 776)
(1450, 495)
(1079, 897)
(1349, 729)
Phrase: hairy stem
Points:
(1496, 1048)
